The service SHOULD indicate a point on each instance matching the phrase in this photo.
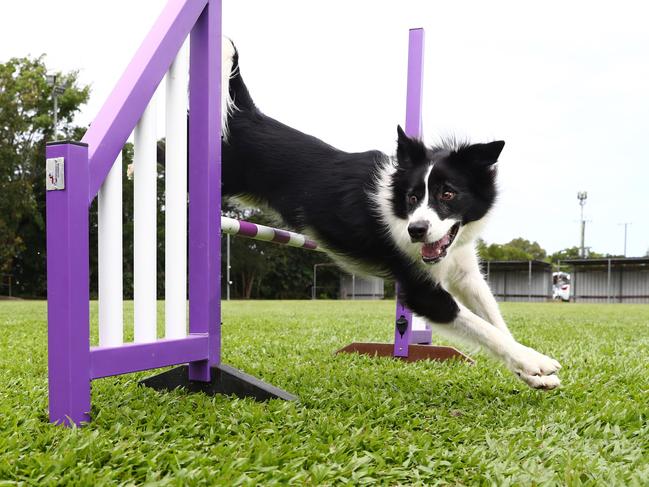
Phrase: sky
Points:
(565, 84)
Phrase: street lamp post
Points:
(57, 90)
(581, 196)
(626, 224)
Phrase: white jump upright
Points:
(176, 196)
(145, 227)
(109, 222)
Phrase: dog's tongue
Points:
(433, 250)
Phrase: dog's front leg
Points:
(455, 320)
(470, 287)
(533, 368)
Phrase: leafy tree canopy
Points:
(26, 122)
(516, 249)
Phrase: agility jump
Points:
(78, 172)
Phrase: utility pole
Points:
(57, 90)
(581, 196)
(626, 224)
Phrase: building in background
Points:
(519, 280)
(615, 280)
(361, 287)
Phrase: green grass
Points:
(359, 420)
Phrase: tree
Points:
(565, 254)
(516, 249)
(264, 269)
(26, 123)
(575, 253)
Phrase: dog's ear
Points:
(410, 152)
(482, 155)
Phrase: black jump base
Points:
(225, 380)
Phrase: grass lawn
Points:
(359, 420)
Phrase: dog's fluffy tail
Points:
(234, 93)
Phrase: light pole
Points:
(57, 90)
(227, 265)
(626, 224)
(581, 196)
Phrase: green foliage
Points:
(359, 421)
(270, 271)
(575, 253)
(517, 249)
(26, 122)
(565, 254)
(522, 249)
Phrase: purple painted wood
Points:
(414, 94)
(281, 236)
(67, 288)
(413, 129)
(115, 121)
(205, 186)
(133, 357)
(421, 336)
(247, 229)
(401, 342)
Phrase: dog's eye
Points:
(448, 195)
(412, 199)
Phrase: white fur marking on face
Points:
(396, 227)
(424, 201)
(437, 228)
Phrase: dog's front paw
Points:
(535, 369)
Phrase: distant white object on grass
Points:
(561, 286)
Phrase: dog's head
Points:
(437, 191)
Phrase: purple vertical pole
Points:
(413, 129)
(205, 186)
(68, 287)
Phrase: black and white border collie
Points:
(413, 218)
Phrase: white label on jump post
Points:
(54, 174)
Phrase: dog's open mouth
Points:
(436, 251)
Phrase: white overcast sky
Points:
(565, 84)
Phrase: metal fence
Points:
(615, 280)
(361, 287)
(519, 280)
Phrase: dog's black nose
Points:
(417, 230)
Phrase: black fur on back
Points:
(330, 194)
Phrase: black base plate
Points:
(225, 380)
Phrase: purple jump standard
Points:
(74, 173)
(404, 336)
